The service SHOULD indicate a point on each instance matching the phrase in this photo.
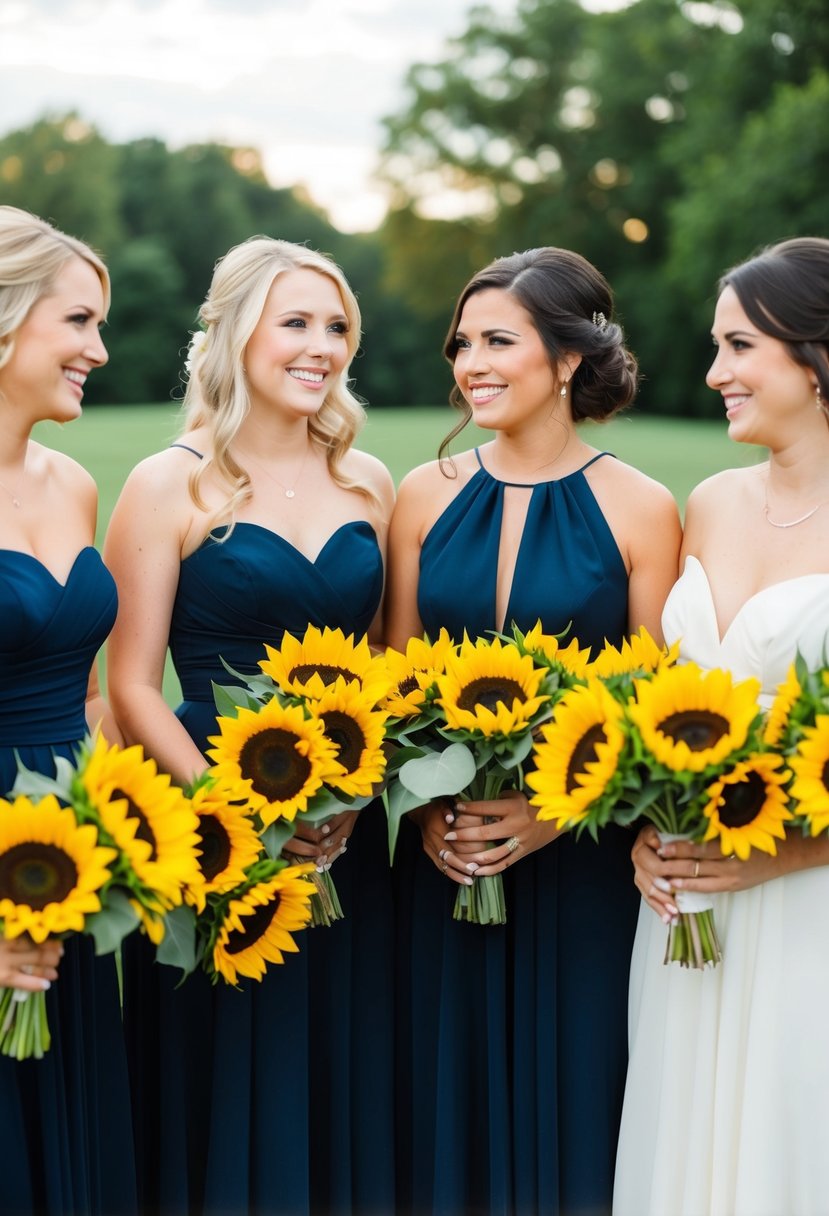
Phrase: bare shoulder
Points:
(630, 485)
(57, 469)
(726, 490)
(439, 477)
(366, 469)
(164, 473)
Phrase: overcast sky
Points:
(305, 81)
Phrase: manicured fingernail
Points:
(662, 884)
(666, 918)
(673, 909)
(46, 985)
(451, 836)
(468, 882)
(449, 817)
(460, 807)
(472, 867)
(325, 829)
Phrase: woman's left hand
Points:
(323, 845)
(705, 869)
(514, 831)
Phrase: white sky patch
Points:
(304, 81)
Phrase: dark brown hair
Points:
(562, 292)
(784, 291)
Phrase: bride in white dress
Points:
(727, 1103)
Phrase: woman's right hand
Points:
(652, 874)
(27, 966)
(433, 820)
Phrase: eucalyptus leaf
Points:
(519, 752)
(112, 924)
(399, 801)
(178, 947)
(229, 700)
(32, 784)
(275, 837)
(447, 772)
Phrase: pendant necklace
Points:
(288, 491)
(791, 523)
(15, 500)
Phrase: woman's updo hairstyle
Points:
(784, 291)
(571, 306)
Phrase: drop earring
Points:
(563, 390)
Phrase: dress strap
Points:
(187, 449)
(593, 460)
(478, 458)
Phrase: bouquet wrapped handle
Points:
(692, 940)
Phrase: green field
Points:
(109, 440)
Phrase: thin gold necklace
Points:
(15, 500)
(792, 523)
(288, 491)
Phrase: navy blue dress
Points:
(65, 1119)
(514, 1037)
(276, 1099)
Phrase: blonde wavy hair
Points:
(32, 255)
(216, 396)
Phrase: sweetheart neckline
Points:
(721, 637)
(45, 568)
(312, 561)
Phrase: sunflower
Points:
(547, 649)
(149, 818)
(689, 719)
(258, 925)
(51, 868)
(810, 765)
(490, 688)
(277, 756)
(228, 839)
(414, 672)
(356, 730)
(321, 658)
(778, 715)
(638, 653)
(747, 807)
(578, 757)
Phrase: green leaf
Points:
(229, 700)
(447, 772)
(178, 948)
(399, 801)
(35, 785)
(518, 752)
(275, 836)
(113, 923)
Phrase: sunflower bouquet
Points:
(797, 726)
(104, 847)
(675, 745)
(465, 716)
(303, 741)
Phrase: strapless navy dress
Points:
(512, 1064)
(276, 1099)
(65, 1119)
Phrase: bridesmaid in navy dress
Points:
(65, 1119)
(261, 520)
(511, 1064)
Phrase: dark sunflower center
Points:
(36, 874)
(408, 685)
(742, 801)
(327, 674)
(584, 753)
(347, 736)
(255, 926)
(488, 691)
(215, 846)
(144, 831)
(698, 728)
(272, 764)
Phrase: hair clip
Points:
(600, 321)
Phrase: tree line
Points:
(664, 141)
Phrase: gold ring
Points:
(513, 843)
(696, 869)
(444, 867)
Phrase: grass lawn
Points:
(109, 440)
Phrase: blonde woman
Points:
(67, 1137)
(262, 519)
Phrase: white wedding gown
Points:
(727, 1103)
